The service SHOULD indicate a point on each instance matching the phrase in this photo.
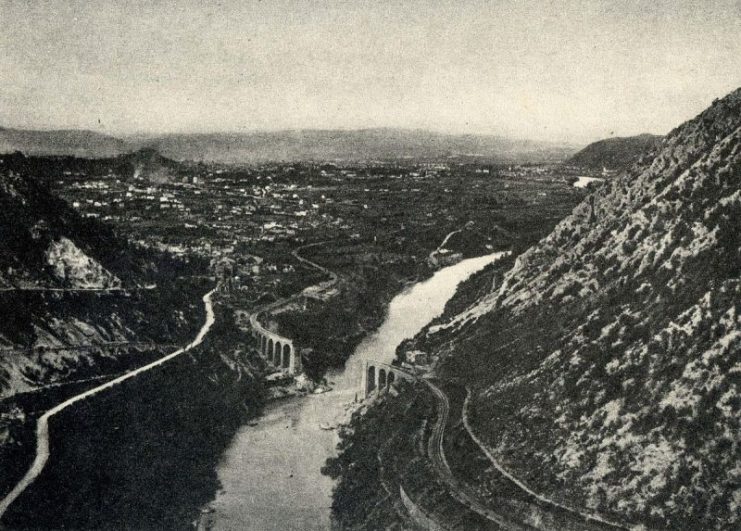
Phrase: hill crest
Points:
(616, 153)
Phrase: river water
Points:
(270, 473)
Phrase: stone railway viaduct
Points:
(279, 350)
(282, 352)
(380, 376)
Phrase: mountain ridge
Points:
(77, 142)
(70, 285)
(616, 153)
(291, 145)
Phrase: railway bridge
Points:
(275, 348)
(381, 376)
(278, 350)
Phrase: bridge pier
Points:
(277, 350)
(381, 377)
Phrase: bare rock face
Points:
(606, 364)
(61, 314)
(75, 269)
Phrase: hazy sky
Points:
(548, 70)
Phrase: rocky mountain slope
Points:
(604, 366)
(614, 153)
(71, 290)
(48, 244)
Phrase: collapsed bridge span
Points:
(381, 376)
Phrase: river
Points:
(270, 473)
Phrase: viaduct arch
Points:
(382, 376)
(279, 351)
(276, 349)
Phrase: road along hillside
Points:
(42, 426)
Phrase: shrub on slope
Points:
(606, 364)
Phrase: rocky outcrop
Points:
(75, 269)
(72, 295)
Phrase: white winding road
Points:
(42, 425)
(585, 516)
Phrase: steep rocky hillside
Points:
(71, 290)
(46, 243)
(110, 441)
(605, 364)
(614, 153)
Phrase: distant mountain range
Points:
(365, 144)
(290, 146)
(78, 143)
(614, 153)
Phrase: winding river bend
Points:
(270, 473)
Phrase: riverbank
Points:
(270, 472)
(370, 276)
(332, 329)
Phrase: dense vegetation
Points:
(333, 329)
(365, 494)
